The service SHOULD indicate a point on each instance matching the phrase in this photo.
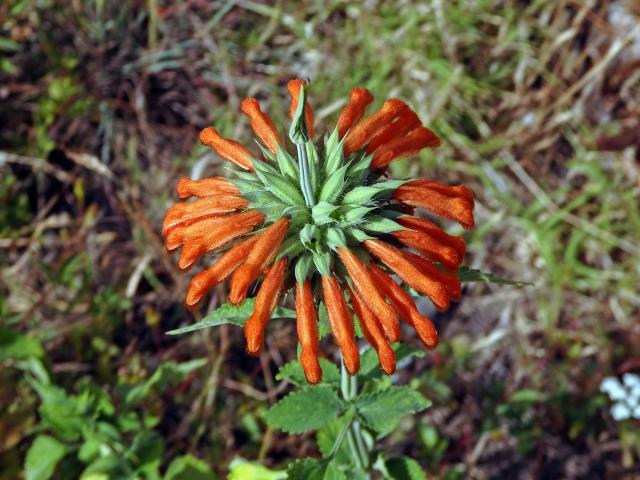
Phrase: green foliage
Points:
(43, 456)
(293, 373)
(306, 409)
(404, 468)
(240, 469)
(382, 410)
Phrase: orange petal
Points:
(307, 326)
(405, 267)
(206, 187)
(226, 148)
(404, 147)
(210, 234)
(341, 322)
(373, 331)
(406, 121)
(216, 273)
(294, 90)
(266, 300)
(354, 109)
(406, 307)
(261, 123)
(433, 244)
(264, 250)
(360, 135)
(187, 213)
(453, 202)
(449, 280)
(365, 286)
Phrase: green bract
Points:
(332, 200)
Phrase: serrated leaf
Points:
(304, 410)
(333, 152)
(335, 238)
(230, 314)
(381, 411)
(378, 224)
(292, 372)
(42, 457)
(466, 274)
(312, 469)
(303, 267)
(321, 213)
(404, 468)
(288, 166)
(333, 185)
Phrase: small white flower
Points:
(625, 394)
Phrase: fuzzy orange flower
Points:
(332, 226)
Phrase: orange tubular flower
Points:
(263, 252)
(360, 135)
(307, 326)
(354, 110)
(341, 322)
(403, 147)
(266, 301)
(403, 302)
(226, 264)
(227, 149)
(206, 187)
(261, 123)
(327, 223)
(455, 203)
(294, 87)
(373, 331)
(365, 286)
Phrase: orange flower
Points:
(227, 149)
(323, 232)
(261, 123)
(341, 322)
(294, 87)
(264, 250)
(354, 110)
(373, 331)
(307, 326)
(455, 203)
(360, 135)
(266, 301)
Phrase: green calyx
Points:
(332, 200)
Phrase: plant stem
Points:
(357, 445)
(305, 178)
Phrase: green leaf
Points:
(188, 467)
(466, 274)
(268, 154)
(314, 165)
(370, 365)
(304, 410)
(241, 469)
(364, 195)
(528, 395)
(230, 314)
(333, 185)
(335, 238)
(359, 170)
(288, 166)
(291, 248)
(247, 186)
(42, 457)
(322, 261)
(334, 153)
(279, 185)
(379, 224)
(309, 236)
(321, 213)
(329, 434)
(292, 372)
(381, 411)
(303, 267)
(358, 234)
(267, 203)
(353, 214)
(17, 346)
(312, 469)
(404, 468)
(298, 129)
(169, 373)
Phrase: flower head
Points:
(326, 222)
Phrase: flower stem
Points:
(357, 445)
(305, 178)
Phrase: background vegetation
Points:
(538, 103)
